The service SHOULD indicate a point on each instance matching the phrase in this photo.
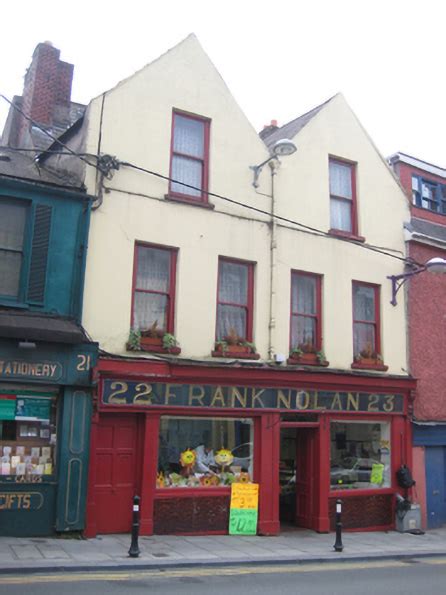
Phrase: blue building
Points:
(46, 358)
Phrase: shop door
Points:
(304, 478)
(116, 473)
(296, 476)
(435, 486)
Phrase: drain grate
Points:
(160, 555)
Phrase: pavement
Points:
(38, 554)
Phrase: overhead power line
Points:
(106, 163)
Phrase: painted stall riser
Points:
(27, 510)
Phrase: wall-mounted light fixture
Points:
(281, 148)
(27, 345)
(434, 265)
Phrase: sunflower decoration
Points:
(224, 458)
(206, 481)
(160, 482)
(187, 461)
(243, 477)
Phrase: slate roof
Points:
(426, 228)
(21, 166)
(292, 128)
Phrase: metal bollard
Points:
(338, 547)
(134, 550)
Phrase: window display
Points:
(204, 452)
(27, 436)
(360, 455)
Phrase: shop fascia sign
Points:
(143, 394)
(72, 366)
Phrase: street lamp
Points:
(281, 148)
(434, 265)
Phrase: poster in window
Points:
(32, 408)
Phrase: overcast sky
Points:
(279, 59)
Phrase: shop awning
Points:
(32, 327)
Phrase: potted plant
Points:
(153, 336)
(307, 353)
(234, 345)
(369, 358)
(154, 340)
(134, 341)
(170, 344)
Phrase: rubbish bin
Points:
(408, 519)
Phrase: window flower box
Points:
(153, 340)
(304, 355)
(234, 346)
(369, 360)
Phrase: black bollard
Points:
(134, 550)
(338, 547)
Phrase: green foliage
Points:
(134, 341)
(169, 341)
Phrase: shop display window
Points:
(27, 436)
(204, 452)
(360, 455)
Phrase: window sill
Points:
(352, 492)
(369, 365)
(307, 359)
(189, 201)
(157, 349)
(347, 235)
(179, 492)
(18, 305)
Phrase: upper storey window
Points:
(25, 230)
(154, 288)
(12, 236)
(342, 197)
(235, 299)
(189, 161)
(429, 195)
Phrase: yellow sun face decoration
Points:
(188, 458)
(223, 457)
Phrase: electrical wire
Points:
(114, 163)
(315, 230)
(53, 138)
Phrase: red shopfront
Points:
(306, 438)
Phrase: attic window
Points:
(189, 160)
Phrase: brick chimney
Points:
(47, 84)
(46, 97)
(268, 129)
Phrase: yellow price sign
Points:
(377, 475)
(245, 495)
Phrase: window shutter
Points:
(39, 254)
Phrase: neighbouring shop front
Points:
(45, 412)
(180, 435)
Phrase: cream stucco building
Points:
(183, 243)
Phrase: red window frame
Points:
(203, 198)
(376, 323)
(353, 202)
(170, 294)
(317, 316)
(249, 307)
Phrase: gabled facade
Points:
(425, 185)
(46, 358)
(247, 331)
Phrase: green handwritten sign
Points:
(243, 521)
